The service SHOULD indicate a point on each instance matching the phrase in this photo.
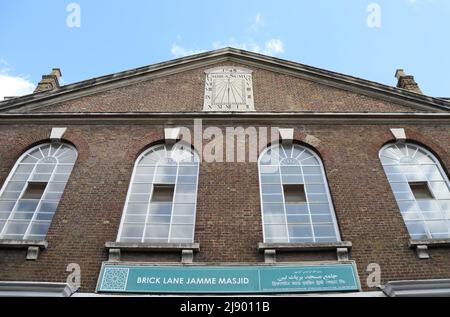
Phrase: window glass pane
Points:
(162, 219)
(298, 219)
(48, 206)
(315, 189)
(273, 198)
(25, 168)
(184, 209)
(132, 230)
(10, 195)
(170, 174)
(135, 218)
(274, 219)
(311, 170)
(145, 170)
(53, 196)
(291, 170)
(37, 167)
(183, 220)
(428, 185)
(4, 215)
(275, 231)
(292, 179)
(271, 189)
(141, 188)
(181, 231)
(140, 197)
(161, 178)
(15, 186)
(273, 208)
(324, 230)
(295, 209)
(317, 198)
(270, 179)
(300, 231)
(137, 209)
(157, 231)
(188, 170)
(179, 198)
(22, 215)
(161, 208)
(27, 205)
(40, 228)
(7, 205)
(44, 168)
(322, 218)
(186, 189)
(16, 227)
(44, 216)
(313, 179)
(187, 179)
(304, 192)
(56, 187)
(270, 169)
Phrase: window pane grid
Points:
(297, 222)
(164, 222)
(426, 217)
(25, 217)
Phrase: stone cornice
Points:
(224, 118)
(125, 78)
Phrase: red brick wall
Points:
(228, 224)
(184, 92)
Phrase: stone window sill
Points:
(33, 247)
(422, 246)
(187, 249)
(342, 249)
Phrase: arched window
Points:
(421, 189)
(296, 203)
(162, 197)
(31, 193)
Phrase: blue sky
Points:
(117, 35)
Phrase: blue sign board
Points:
(137, 278)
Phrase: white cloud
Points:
(258, 22)
(13, 86)
(273, 46)
(179, 51)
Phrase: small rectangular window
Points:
(294, 193)
(421, 190)
(34, 190)
(163, 193)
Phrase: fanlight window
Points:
(161, 201)
(31, 193)
(421, 189)
(296, 203)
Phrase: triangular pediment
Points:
(179, 86)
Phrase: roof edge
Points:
(323, 76)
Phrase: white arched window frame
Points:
(310, 221)
(31, 193)
(408, 164)
(170, 168)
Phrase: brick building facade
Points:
(112, 120)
